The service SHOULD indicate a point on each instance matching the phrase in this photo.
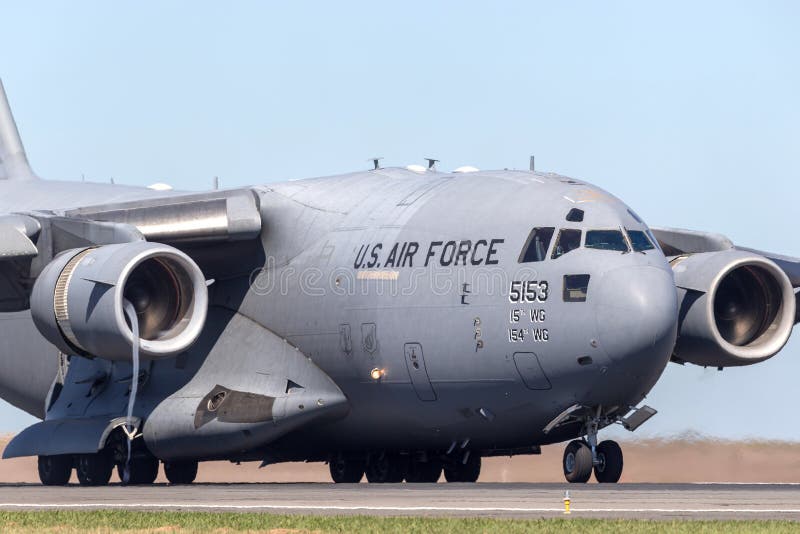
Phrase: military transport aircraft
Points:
(396, 323)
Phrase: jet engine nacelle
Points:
(78, 300)
(736, 308)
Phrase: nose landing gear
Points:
(581, 457)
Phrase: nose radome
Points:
(637, 315)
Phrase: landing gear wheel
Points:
(94, 469)
(577, 462)
(180, 472)
(55, 470)
(609, 462)
(143, 470)
(464, 472)
(385, 468)
(347, 470)
(424, 472)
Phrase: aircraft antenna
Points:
(376, 162)
(432, 163)
(532, 167)
(216, 183)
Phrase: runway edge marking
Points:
(399, 508)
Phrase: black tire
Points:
(347, 470)
(464, 472)
(144, 470)
(180, 472)
(55, 470)
(577, 462)
(385, 469)
(424, 472)
(609, 467)
(94, 469)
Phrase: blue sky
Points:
(690, 113)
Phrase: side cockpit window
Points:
(606, 240)
(639, 240)
(576, 287)
(537, 245)
(568, 240)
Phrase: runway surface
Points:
(654, 501)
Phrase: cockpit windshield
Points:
(568, 240)
(606, 240)
(538, 244)
(640, 241)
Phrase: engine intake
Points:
(736, 308)
(77, 300)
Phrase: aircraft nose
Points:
(637, 318)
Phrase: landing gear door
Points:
(415, 362)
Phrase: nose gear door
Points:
(415, 362)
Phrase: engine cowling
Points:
(736, 308)
(77, 301)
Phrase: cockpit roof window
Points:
(537, 245)
(639, 240)
(606, 240)
(575, 215)
(568, 240)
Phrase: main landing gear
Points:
(391, 467)
(96, 469)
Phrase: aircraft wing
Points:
(203, 221)
(676, 242)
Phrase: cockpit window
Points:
(606, 240)
(537, 245)
(639, 240)
(568, 240)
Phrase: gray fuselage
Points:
(418, 276)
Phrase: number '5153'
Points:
(528, 291)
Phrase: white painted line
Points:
(402, 508)
(745, 483)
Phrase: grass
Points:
(185, 522)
